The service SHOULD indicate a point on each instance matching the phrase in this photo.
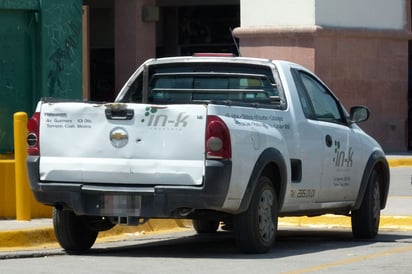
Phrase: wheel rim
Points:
(266, 224)
(376, 204)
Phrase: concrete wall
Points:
(60, 49)
(371, 14)
(277, 13)
(7, 189)
(8, 194)
(374, 14)
(359, 48)
(369, 68)
(135, 39)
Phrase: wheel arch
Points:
(272, 164)
(377, 161)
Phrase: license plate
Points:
(120, 205)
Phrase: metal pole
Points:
(23, 194)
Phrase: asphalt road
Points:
(296, 251)
(400, 193)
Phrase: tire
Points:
(205, 226)
(72, 231)
(255, 229)
(365, 220)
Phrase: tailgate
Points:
(122, 143)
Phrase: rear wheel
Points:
(365, 220)
(255, 229)
(72, 231)
(205, 226)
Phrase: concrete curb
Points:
(43, 237)
(399, 162)
(398, 223)
(26, 238)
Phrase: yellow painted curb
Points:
(399, 223)
(26, 238)
(150, 227)
(43, 237)
(399, 162)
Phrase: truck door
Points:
(339, 174)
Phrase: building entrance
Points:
(185, 30)
(182, 28)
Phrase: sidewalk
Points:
(38, 233)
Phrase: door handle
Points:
(328, 140)
(118, 112)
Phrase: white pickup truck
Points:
(228, 141)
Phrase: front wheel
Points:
(255, 229)
(72, 231)
(365, 220)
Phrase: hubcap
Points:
(266, 224)
(376, 204)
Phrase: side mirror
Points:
(359, 114)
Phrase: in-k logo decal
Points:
(342, 158)
(155, 119)
(151, 110)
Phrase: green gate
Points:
(16, 67)
(40, 56)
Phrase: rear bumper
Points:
(133, 200)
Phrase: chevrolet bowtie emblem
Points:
(119, 137)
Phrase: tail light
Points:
(33, 134)
(218, 145)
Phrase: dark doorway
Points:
(101, 37)
(189, 29)
(410, 86)
(410, 97)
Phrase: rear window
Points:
(200, 82)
